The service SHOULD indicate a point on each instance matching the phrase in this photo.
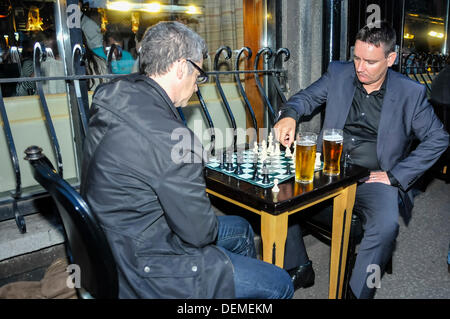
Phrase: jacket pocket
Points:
(170, 276)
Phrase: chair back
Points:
(87, 244)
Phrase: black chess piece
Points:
(229, 165)
(288, 169)
(222, 160)
(265, 174)
(255, 173)
(238, 170)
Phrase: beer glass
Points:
(305, 157)
(333, 140)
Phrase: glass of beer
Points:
(305, 157)
(333, 140)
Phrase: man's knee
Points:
(385, 232)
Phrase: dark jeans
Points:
(253, 278)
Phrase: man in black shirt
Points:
(380, 112)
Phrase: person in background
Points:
(27, 69)
(92, 32)
(52, 66)
(122, 60)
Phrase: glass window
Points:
(23, 24)
(119, 25)
(425, 26)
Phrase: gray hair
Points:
(166, 42)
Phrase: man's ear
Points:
(391, 58)
(180, 69)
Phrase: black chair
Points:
(87, 245)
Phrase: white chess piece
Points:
(318, 162)
(263, 146)
(288, 152)
(275, 188)
(270, 140)
(277, 150)
(270, 149)
(263, 155)
(255, 147)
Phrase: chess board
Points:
(277, 167)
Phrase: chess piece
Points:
(270, 138)
(255, 173)
(288, 169)
(318, 162)
(222, 160)
(229, 161)
(265, 174)
(255, 161)
(255, 147)
(238, 170)
(263, 155)
(288, 152)
(277, 150)
(275, 188)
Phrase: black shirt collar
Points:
(380, 92)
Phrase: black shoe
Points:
(302, 276)
(350, 295)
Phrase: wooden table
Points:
(275, 208)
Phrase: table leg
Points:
(342, 216)
(273, 235)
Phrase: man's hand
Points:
(285, 131)
(379, 177)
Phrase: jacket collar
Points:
(138, 77)
(389, 108)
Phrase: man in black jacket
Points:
(142, 175)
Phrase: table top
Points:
(291, 194)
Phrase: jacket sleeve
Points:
(304, 102)
(182, 193)
(434, 141)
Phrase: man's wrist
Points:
(287, 112)
(392, 179)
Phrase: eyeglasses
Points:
(202, 77)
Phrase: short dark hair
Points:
(378, 33)
(165, 43)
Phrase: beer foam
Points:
(333, 138)
(306, 143)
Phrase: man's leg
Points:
(236, 235)
(378, 205)
(295, 254)
(257, 279)
(253, 278)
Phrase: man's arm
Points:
(182, 193)
(434, 141)
(300, 104)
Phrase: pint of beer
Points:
(333, 141)
(305, 157)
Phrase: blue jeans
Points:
(253, 278)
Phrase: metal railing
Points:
(423, 67)
(78, 58)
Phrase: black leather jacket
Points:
(144, 181)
